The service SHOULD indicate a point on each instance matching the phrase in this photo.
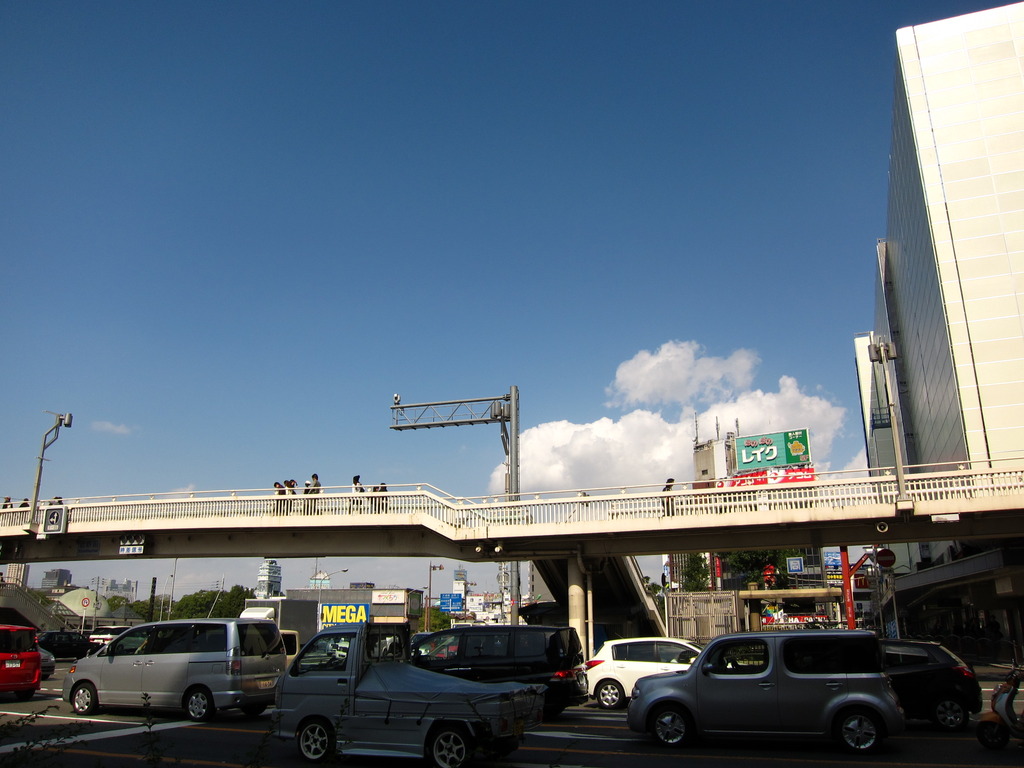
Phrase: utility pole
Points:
(503, 410)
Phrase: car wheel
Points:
(316, 740)
(672, 725)
(609, 695)
(992, 735)
(449, 747)
(84, 700)
(254, 710)
(199, 704)
(950, 714)
(24, 695)
(859, 731)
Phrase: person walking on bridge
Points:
(667, 504)
(357, 488)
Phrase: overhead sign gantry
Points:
(503, 410)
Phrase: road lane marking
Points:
(73, 718)
(86, 737)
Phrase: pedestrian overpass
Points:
(582, 540)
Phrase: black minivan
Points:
(552, 656)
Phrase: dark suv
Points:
(66, 645)
(933, 683)
(552, 656)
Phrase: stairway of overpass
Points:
(622, 605)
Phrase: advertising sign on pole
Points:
(776, 449)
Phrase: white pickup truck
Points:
(351, 691)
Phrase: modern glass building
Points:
(951, 267)
(950, 291)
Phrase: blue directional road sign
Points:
(451, 602)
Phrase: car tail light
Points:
(563, 674)
(593, 663)
(235, 667)
(965, 672)
(72, 670)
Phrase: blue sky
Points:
(231, 231)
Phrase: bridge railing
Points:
(838, 491)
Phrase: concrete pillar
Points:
(577, 600)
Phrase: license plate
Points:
(518, 727)
(267, 683)
(12, 663)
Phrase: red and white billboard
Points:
(770, 476)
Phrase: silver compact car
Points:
(795, 684)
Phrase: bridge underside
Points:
(418, 536)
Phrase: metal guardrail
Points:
(552, 508)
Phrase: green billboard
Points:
(777, 449)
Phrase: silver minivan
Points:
(199, 665)
(800, 683)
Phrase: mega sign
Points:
(344, 613)
(778, 449)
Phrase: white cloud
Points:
(182, 493)
(789, 408)
(643, 447)
(858, 463)
(679, 373)
(111, 428)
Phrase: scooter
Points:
(996, 726)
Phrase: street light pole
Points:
(884, 352)
(430, 585)
(321, 577)
(62, 420)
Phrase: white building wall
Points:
(956, 233)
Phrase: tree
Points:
(115, 602)
(696, 576)
(438, 619)
(657, 593)
(750, 564)
(212, 603)
(141, 607)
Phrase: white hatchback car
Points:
(617, 666)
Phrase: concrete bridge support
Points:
(577, 600)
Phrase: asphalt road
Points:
(582, 736)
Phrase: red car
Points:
(19, 661)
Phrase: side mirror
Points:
(708, 668)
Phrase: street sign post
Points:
(885, 558)
(451, 602)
